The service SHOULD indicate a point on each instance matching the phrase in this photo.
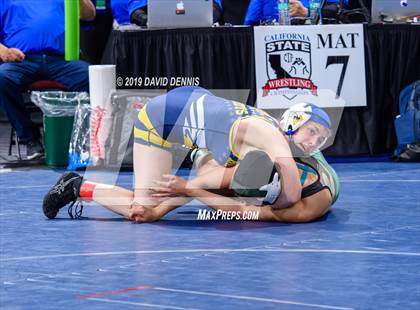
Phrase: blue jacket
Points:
(31, 27)
(260, 10)
(134, 5)
(122, 9)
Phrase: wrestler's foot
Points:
(66, 190)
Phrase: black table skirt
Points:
(223, 58)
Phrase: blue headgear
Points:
(298, 114)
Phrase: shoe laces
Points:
(75, 210)
(60, 187)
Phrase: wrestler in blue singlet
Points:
(194, 117)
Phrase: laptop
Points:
(394, 10)
(179, 13)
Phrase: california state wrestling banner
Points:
(321, 64)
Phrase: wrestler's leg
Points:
(217, 177)
(114, 198)
(150, 163)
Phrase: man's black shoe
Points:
(66, 190)
(34, 149)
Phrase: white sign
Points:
(320, 64)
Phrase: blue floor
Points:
(365, 254)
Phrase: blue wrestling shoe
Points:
(66, 190)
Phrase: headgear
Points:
(298, 114)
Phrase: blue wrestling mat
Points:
(364, 254)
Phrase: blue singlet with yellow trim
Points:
(194, 117)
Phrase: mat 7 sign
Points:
(324, 65)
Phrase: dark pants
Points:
(16, 76)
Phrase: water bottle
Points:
(284, 16)
(314, 6)
(100, 5)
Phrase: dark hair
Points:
(255, 170)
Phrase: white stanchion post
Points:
(101, 85)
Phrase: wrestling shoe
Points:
(197, 156)
(66, 190)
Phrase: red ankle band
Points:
(86, 191)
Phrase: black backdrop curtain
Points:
(392, 62)
(224, 59)
(355, 4)
(221, 58)
(94, 36)
(234, 11)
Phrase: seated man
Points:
(31, 49)
(267, 10)
(138, 11)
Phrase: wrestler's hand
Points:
(172, 186)
(297, 9)
(142, 214)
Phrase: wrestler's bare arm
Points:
(249, 137)
(305, 210)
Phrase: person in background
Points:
(121, 10)
(267, 10)
(32, 53)
(138, 11)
